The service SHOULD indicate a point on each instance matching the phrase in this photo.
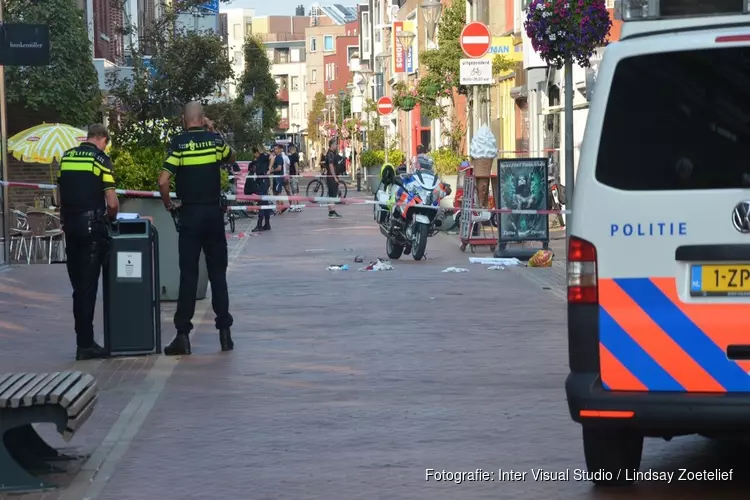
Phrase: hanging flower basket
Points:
(407, 103)
(431, 89)
(562, 30)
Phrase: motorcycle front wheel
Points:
(420, 241)
(393, 250)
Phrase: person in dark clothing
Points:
(293, 181)
(86, 196)
(332, 180)
(262, 166)
(195, 158)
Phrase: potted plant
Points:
(405, 97)
(137, 168)
(567, 32)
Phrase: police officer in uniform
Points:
(195, 158)
(86, 197)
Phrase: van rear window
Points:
(678, 120)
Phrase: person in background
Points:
(332, 180)
(277, 170)
(415, 159)
(262, 166)
(294, 169)
(301, 162)
(86, 196)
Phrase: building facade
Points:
(239, 25)
(336, 66)
(288, 67)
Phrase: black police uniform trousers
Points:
(264, 215)
(202, 228)
(87, 248)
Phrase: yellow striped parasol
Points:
(45, 143)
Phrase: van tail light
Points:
(582, 273)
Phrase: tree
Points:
(69, 85)
(343, 108)
(438, 87)
(257, 81)
(171, 67)
(237, 121)
(315, 116)
(300, 10)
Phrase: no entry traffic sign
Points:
(385, 105)
(475, 39)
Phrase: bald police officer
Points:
(86, 197)
(195, 158)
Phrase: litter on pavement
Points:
(455, 270)
(378, 265)
(543, 258)
(496, 268)
(338, 268)
(359, 258)
(494, 261)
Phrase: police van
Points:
(659, 252)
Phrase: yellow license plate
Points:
(728, 279)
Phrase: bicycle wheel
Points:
(342, 189)
(315, 188)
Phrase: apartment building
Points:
(336, 65)
(239, 25)
(288, 67)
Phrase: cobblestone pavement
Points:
(343, 385)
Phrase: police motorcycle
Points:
(407, 209)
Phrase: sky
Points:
(278, 7)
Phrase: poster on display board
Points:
(522, 185)
(404, 61)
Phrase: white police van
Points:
(659, 254)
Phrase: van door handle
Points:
(738, 352)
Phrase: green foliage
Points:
(445, 60)
(139, 168)
(376, 157)
(446, 161)
(501, 64)
(236, 121)
(256, 80)
(343, 108)
(184, 66)
(315, 116)
(69, 85)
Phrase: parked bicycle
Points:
(317, 187)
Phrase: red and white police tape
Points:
(316, 200)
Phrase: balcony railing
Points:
(283, 124)
(283, 94)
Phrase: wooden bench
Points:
(65, 399)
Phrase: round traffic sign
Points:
(475, 39)
(385, 105)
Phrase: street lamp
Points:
(405, 38)
(383, 59)
(364, 80)
(341, 98)
(431, 11)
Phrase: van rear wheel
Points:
(610, 453)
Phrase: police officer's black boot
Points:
(94, 352)
(180, 346)
(225, 338)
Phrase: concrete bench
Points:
(65, 399)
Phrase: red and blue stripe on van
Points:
(649, 340)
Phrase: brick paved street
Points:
(343, 385)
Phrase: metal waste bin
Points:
(132, 306)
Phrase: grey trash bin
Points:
(169, 264)
(132, 309)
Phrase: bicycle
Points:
(318, 185)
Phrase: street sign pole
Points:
(385, 108)
(4, 159)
